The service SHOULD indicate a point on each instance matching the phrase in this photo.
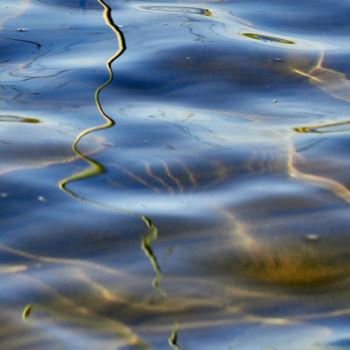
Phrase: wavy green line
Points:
(173, 339)
(146, 245)
(95, 168)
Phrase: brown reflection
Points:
(293, 264)
(35, 152)
(255, 276)
(328, 80)
(104, 303)
(16, 335)
(296, 161)
(17, 119)
(70, 309)
(96, 305)
(175, 176)
(285, 261)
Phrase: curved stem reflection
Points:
(173, 339)
(95, 168)
(122, 47)
(146, 245)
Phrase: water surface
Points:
(174, 175)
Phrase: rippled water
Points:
(174, 175)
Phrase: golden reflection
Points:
(135, 177)
(102, 291)
(172, 177)
(33, 156)
(339, 189)
(19, 337)
(328, 80)
(324, 128)
(83, 308)
(71, 310)
(177, 183)
(189, 175)
(47, 259)
(104, 326)
(215, 173)
(4, 269)
(176, 177)
(97, 307)
(292, 265)
(230, 304)
(307, 263)
(157, 178)
(240, 230)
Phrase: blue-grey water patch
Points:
(174, 175)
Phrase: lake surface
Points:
(174, 175)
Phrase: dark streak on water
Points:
(194, 196)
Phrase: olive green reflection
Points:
(307, 265)
(17, 119)
(95, 168)
(146, 246)
(272, 39)
(27, 310)
(325, 129)
(173, 339)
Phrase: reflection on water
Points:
(268, 38)
(208, 209)
(178, 9)
(96, 168)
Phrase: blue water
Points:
(174, 175)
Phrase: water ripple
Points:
(177, 9)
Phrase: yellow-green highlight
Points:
(328, 80)
(146, 245)
(272, 39)
(324, 129)
(96, 168)
(89, 319)
(27, 311)
(173, 339)
(339, 189)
